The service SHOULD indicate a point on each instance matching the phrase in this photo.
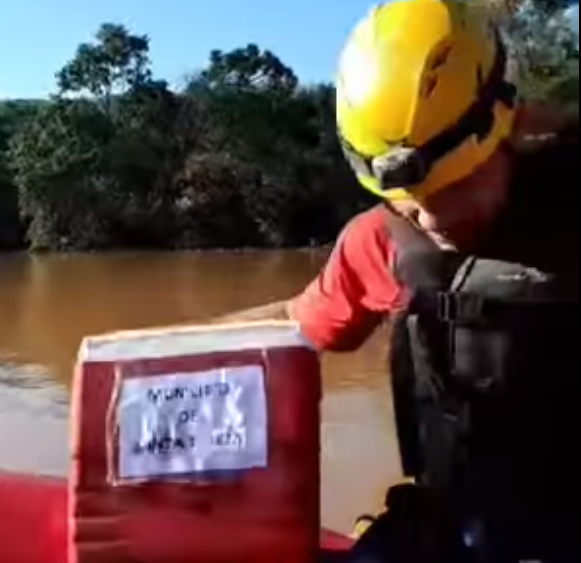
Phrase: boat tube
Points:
(33, 522)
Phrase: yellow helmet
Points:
(421, 95)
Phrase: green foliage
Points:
(243, 156)
(14, 115)
(249, 68)
(59, 162)
(117, 62)
(546, 48)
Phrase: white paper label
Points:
(184, 423)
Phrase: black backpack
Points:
(485, 376)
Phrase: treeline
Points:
(243, 156)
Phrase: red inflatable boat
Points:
(33, 522)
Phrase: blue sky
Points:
(38, 36)
(574, 14)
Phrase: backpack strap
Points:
(422, 352)
(436, 278)
(419, 263)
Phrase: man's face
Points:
(457, 215)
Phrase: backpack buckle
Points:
(461, 308)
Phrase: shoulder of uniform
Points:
(369, 225)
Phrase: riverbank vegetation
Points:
(244, 155)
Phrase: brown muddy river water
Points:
(48, 303)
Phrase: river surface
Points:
(48, 303)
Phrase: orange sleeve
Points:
(340, 309)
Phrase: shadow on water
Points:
(49, 303)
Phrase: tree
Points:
(99, 167)
(249, 68)
(244, 156)
(117, 62)
(59, 162)
(14, 115)
(145, 154)
(544, 45)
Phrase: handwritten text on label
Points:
(188, 423)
